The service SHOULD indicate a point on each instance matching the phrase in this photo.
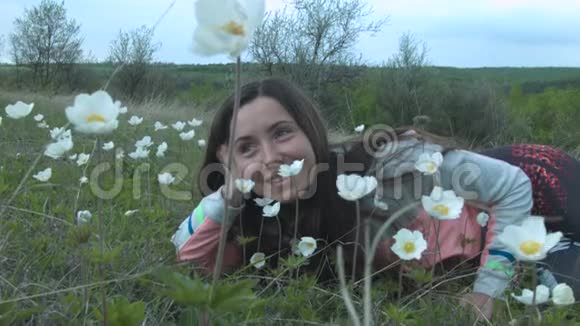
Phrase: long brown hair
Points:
(314, 211)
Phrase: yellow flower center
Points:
(409, 247)
(234, 28)
(95, 118)
(309, 245)
(431, 167)
(530, 247)
(441, 209)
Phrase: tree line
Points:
(311, 42)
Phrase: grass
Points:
(49, 266)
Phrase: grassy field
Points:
(56, 272)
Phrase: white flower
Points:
(59, 133)
(187, 135)
(44, 175)
(144, 142)
(131, 212)
(140, 152)
(482, 218)
(159, 126)
(354, 187)
(258, 260)
(161, 149)
(165, 178)
(286, 170)
(409, 244)
(121, 153)
(201, 143)
(57, 149)
(179, 125)
(530, 240)
(563, 295)
(73, 157)
(429, 164)
(263, 201)
(380, 204)
(18, 110)
(443, 205)
(244, 185)
(542, 295)
(307, 245)
(43, 125)
(135, 120)
(108, 146)
(271, 210)
(94, 114)
(359, 129)
(83, 217)
(123, 110)
(83, 180)
(38, 117)
(83, 159)
(228, 32)
(194, 122)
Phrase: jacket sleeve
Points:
(197, 238)
(504, 187)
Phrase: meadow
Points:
(55, 270)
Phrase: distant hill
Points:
(531, 79)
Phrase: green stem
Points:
(399, 294)
(295, 213)
(260, 234)
(102, 245)
(368, 278)
(228, 185)
(356, 239)
(532, 320)
(279, 238)
(243, 240)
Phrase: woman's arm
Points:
(501, 185)
(197, 238)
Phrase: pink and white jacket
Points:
(504, 189)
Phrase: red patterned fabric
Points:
(555, 178)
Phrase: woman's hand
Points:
(228, 191)
(234, 196)
(481, 304)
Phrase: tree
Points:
(133, 52)
(45, 40)
(314, 43)
(406, 83)
(1, 45)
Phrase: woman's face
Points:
(266, 137)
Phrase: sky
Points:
(460, 33)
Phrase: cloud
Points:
(457, 32)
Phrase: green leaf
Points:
(233, 297)
(184, 290)
(420, 275)
(122, 313)
(396, 314)
(293, 261)
(245, 240)
(108, 256)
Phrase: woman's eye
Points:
(282, 132)
(245, 148)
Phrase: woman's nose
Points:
(272, 154)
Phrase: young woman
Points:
(277, 124)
